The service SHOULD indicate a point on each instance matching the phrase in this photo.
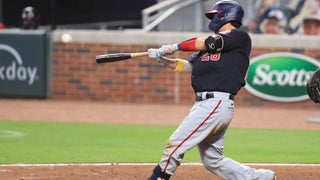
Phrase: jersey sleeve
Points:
(235, 39)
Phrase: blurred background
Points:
(126, 14)
(61, 64)
(161, 15)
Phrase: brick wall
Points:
(76, 75)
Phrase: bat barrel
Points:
(106, 58)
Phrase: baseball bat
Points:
(107, 58)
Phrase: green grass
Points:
(270, 145)
(46, 142)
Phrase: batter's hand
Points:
(169, 49)
(164, 50)
(156, 54)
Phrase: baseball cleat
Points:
(274, 177)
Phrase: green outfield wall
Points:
(25, 63)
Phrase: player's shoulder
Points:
(240, 34)
(236, 36)
(235, 32)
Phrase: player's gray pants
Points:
(205, 127)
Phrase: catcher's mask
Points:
(313, 86)
(225, 11)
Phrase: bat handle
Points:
(138, 54)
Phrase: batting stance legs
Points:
(205, 127)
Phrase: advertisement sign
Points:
(23, 64)
(280, 77)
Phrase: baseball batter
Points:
(218, 71)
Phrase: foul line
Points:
(146, 164)
(11, 134)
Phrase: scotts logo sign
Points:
(280, 77)
(15, 70)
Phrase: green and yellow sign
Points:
(280, 77)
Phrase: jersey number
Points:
(212, 57)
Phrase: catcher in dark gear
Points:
(313, 86)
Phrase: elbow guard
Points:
(214, 44)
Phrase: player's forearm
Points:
(213, 44)
(178, 65)
(195, 44)
(172, 64)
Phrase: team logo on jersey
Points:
(280, 77)
(211, 57)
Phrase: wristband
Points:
(180, 65)
(188, 45)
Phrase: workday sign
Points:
(280, 77)
(24, 64)
(16, 71)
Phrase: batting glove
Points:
(168, 49)
(154, 53)
(164, 50)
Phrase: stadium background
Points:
(74, 74)
(75, 78)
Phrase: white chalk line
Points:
(11, 134)
(147, 164)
